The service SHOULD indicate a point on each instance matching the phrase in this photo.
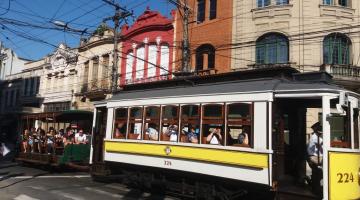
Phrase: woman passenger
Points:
(42, 140)
(120, 130)
(192, 137)
(59, 138)
(69, 137)
(172, 132)
(25, 140)
(50, 139)
(152, 132)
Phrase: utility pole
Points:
(186, 43)
(120, 13)
(185, 68)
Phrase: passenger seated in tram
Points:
(120, 130)
(36, 140)
(50, 141)
(190, 134)
(59, 138)
(68, 137)
(214, 136)
(81, 137)
(25, 141)
(42, 140)
(152, 132)
(172, 133)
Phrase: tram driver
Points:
(315, 150)
(315, 153)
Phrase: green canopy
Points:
(74, 115)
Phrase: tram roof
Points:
(266, 85)
(283, 82)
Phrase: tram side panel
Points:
(238, 163)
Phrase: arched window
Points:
(129, 66)
(152, 60)
(202, 52)
(337, 49)
(164, 61)
(140, 64)
(272, 48)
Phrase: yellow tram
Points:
(240, 135)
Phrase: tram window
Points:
(190, 124)
(213, 124)
(152, 123)
(356, 128)
(239, 124)
(135, 123)
(340, 130)
(120, 123)
(170, 123)
(213, 111)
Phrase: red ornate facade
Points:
(147, 49)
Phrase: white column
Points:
(326, 143)
(109, 123)
(352, 126)
(92, 136)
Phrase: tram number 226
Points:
(345, 177)
(167, 163)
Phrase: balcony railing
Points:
(342, 70)
(275, 65)
(206, 72)
(95, 86)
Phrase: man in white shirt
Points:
(315, 153)
(81, 138)
(315, 150)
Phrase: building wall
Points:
(216, 32)
(304, 22)
(147, 49)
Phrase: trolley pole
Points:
(120, 13)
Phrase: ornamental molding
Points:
(62, 58)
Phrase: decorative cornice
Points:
(148, 21)
(96, 43)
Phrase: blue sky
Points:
(80, 14)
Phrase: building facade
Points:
(59, 79)
(95, 62)
(147, 49)
(210, 25)
(19, 92)
(307, 35)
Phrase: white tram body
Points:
(256, 162)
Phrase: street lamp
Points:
(65, 26)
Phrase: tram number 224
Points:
(345, 177)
